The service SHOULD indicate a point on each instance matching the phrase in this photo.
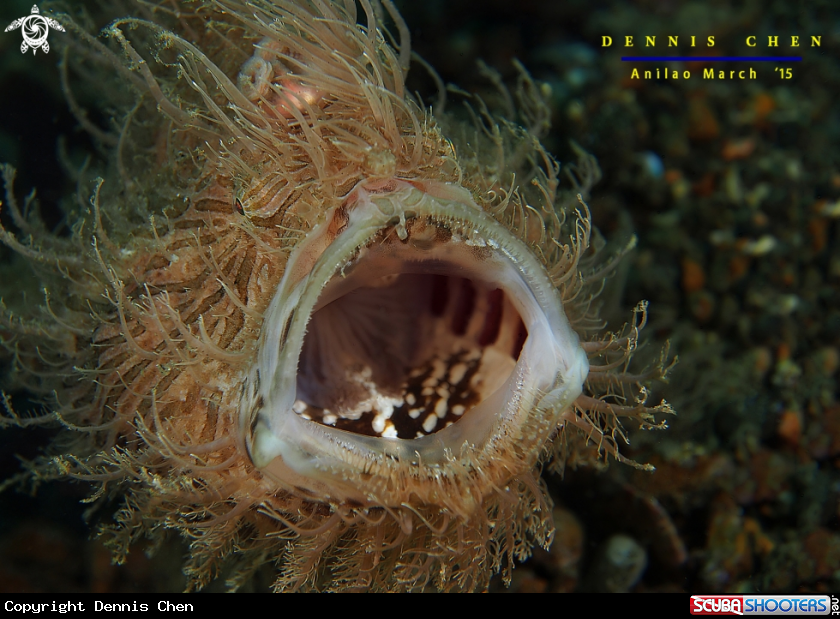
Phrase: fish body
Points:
(306, 322)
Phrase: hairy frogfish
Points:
(303, 318)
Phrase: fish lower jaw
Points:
(414, 349)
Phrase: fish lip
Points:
(328, 462)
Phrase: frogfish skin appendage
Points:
(303, 321)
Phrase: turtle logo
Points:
(35, 29)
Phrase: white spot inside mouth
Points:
(410, 399)
(458, 410)
(429, 423)
(438, 369)
(379, 424)
(441, 408)
(390, 431)
(330, 419)
(430, 382)
(376, 402)
(414, 413)
(299, 406)
(456, 374)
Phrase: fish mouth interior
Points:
(409, 337)
(409, 328)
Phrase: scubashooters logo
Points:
(801, 605)
(35, 28)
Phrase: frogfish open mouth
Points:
(303, 321)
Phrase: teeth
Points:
(385, 347)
